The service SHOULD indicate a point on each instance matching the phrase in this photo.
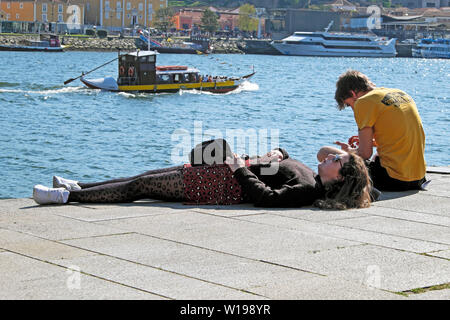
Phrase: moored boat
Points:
(432, 48)
(138, 73)
(46, 42)
(195, 46)
(330, 44)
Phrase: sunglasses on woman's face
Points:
(337, 158)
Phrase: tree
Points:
(246, 22)
(210, 21)
(164, 19)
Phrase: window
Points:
(44, 17)
(128, 5)
(17, 16)
(8, 5)
(141, 7)
(163, 78)
(44, 9)
(107, 14)
(107, 7)
(21, 5)
(8, 16)
(60, 17)
(60, 8)
(118, 16)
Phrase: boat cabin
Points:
(139, 68)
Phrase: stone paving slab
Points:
(26, 278)
(159, 282)
(53, 226)
(158, 250)
(232, 236)
(103, 212)
(408, 229)
(352, 234)
(208, 265)
(397, 270)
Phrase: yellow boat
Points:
(138, 73)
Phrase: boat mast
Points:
(148, 40)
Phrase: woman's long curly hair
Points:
(352, 191)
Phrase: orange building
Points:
(186, 19)
(59, 11)
(18, 10)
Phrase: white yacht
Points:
(335, 45)
(432, 48)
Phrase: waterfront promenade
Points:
(397, 249)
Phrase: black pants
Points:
(381, 179)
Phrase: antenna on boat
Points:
(329, 26)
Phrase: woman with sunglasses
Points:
(273, 180)
(342, 183)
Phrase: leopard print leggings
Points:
(166, 184)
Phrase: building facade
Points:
(44, 11)
(18, 10)
(109, 14)
(189, 19)
(421, 3)
(117, 14)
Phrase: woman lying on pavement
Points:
(273, 180)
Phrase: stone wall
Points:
(113, 43)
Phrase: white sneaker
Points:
(70, 185)
(44, 195)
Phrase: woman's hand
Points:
(235, 163)
(271, 156)
(344, 146)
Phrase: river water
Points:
(50, 129)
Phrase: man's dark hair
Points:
(348, 81)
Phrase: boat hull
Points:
(26, 48)
(214, 87)
(293, 50)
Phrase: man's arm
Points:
(365, 148)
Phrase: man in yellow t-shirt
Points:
(390, 117)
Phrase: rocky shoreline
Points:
(83, 43)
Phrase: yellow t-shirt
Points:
(397, 130)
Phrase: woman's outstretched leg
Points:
(76, 185)
(166, 185)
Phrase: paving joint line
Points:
(89, 274)
(395, 218)
(342, 238)
(409, 210)
(123, 259)
(164, 270)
